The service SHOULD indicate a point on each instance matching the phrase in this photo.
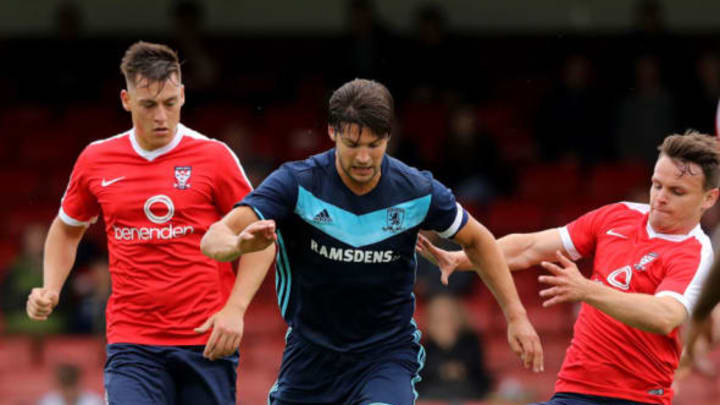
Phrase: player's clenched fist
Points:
(257, 236)
(41, 303)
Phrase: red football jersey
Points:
(157, 205)
(607, 357)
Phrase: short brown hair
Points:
(694, 147)
(366, 103)
(154, 62)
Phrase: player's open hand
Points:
(525, 342)
(257, 236)
(440, 257)
(567, 283)
(40, 303)
(227, 330)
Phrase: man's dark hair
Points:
(154, 62)
(694, 147)
(366, 103)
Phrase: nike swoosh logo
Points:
(109, 182)
(619, 235)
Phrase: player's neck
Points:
(142, 142)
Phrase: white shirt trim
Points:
(644, 208)
(568, 243)
(679, 297)
(672, 237)
(455, 226)
(151, 155)
(692, 291)
(70, 220)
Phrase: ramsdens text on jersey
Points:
(352, 255)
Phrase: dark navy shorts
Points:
(567, 398)
(140, 375)
(311, 374)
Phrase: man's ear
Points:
(125, 99)
(331, 133)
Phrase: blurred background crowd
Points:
(530, 127)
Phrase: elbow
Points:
(663, 326)
(208, 248)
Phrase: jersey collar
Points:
(151, 155)
(671, 237)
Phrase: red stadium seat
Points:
(618, 181)
(507, 216)
(549, 183)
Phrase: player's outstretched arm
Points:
(521, 250)
(483, 251)
(227, 324)
(239, 232)
(58, 258)
(642, 311)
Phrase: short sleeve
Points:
(445, 215)
(275, 197)
(685, 274)
(579, 236)
(232, 184)
(78, 206)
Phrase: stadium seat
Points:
(549, 183)
(613, 182)
(507, 216)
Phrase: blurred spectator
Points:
(700, 101)
(572, 121)
(428, 73)
(26, 272)
(455, 365)
(92, 290)
(646, 115)
(368, 45)
(472, 161)
(69, 391)
(649, 19)
(201, 71)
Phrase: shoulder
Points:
(304, 171)
(96, 150)
(406, 177)
(698, 245)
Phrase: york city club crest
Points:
(182, 176)
(395, 218)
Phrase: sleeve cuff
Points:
(455, 226)
(568, 243)
(679, 297)
(72, 221)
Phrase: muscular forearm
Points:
(59, 254)
(252, 269)
(642, 311)
(520, 250)
(710, 295)
(486, 258)
(220, 243)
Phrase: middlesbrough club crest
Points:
(182, 177)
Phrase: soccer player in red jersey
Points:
(649, 263)
(159, 187)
